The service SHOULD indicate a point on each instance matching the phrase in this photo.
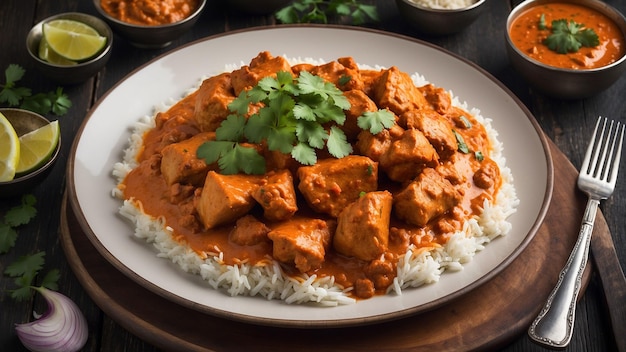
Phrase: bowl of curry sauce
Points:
(567, 49)
(150, 23)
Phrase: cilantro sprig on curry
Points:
(568, 36)
(291, 121)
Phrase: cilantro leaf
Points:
(26, 265)
(337, 143)
(376, 121)
(569, 37)
(231, 129)
(8, 235)
(14, 217)
(23, 213)
(60, 102)
(542, 22)
(51, 279)
(211, 151)
(304, 154)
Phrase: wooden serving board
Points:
(485, 318)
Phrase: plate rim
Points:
(73, 198)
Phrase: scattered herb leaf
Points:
(463, 148)
(569, 37)
(542, 22)
(466, 122)
(25, 269)
(319, 11)
(479, 155)
(292, 121)
(43, 103)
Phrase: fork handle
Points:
(554, 325)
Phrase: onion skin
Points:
(62, 327)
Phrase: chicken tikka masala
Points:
(411, 185)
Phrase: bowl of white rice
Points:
(440, 17)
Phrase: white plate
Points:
(104, 135)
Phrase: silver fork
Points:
(554, 325)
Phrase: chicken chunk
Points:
(212, 101)
(331, 184)
(343, 77)
(426, 198)
(363, 226)
(438, 98)
(263, 65)
(225, 198)
(488, 175)
(407, 156)
(396, 91)
(436, 129)
(249, 231)
(301, 241)
(277, 196)
(180, 164)
(374, 146)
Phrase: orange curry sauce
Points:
(146, 185)
(149, 12)
(527, 36)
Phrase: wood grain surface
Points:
(486, 318)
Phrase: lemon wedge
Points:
(36, 147)
(9, 150)
(72, 40)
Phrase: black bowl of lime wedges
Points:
(70, 48)
(30, 147)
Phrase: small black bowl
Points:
(25, 121)
(151, 37)
(72, 74)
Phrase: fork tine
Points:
(618, 153)
(589, 162)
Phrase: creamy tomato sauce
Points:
(528, 37)
(478, 180)
(149, 12)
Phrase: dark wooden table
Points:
(567, 123)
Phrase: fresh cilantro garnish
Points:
(24, 270)
(15, 217)
(55, 101)
(293, 120)
(569, 36)
(479, 155)
(319, 11)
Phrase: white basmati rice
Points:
(419, 266)
(444, 4)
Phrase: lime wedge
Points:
(9, 150)
(47, 54)
(36, 147)
(73, 40)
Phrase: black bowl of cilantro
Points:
(567, 49)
